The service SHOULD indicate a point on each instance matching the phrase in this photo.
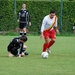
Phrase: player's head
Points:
(52, 13)
(23, 38)
(23, 5)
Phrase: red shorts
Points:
(49, 34)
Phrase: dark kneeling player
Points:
(16, 47)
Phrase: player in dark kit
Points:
(23, 19)
(16, 47)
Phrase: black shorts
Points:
(22, 25)
(13, 50)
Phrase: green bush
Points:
(37, 10)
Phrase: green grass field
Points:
(60, 62)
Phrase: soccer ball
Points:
(44, 55)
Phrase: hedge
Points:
(37, 10)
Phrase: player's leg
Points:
(25, 47)
(21, 32)
(24, 30)
(15, 52)
(24, 50)
(46, 37)
(53, 38)
(9, 49)
(52, 41)
(21, 25)
(10, 54)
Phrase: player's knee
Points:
(47, 40)
(24, 29)
(24, 47)
(53, 40)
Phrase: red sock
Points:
(50, 44)
(45, 47)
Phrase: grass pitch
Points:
(60, 62)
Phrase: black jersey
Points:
(23, 16)
(15, 44)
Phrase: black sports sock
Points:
(21, 33)
(24, 33)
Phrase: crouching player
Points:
(16, 47)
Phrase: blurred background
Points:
(38, 9)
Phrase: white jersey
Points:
(48, 23)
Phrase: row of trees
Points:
(37, 9)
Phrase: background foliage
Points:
(37, 10)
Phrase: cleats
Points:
(48, 50)
(26, 53)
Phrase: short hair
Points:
(23, 38)
(52, 11)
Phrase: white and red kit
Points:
(47, 29)
(48, 26)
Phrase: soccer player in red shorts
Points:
(49, 30)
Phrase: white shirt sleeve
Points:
(43, 24)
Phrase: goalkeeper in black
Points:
(16, 47)
(23, 19)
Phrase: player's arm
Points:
(18, 20)
(21, 49)
(42, 27)
(56, 30)
(28, 18)
(56, 27)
